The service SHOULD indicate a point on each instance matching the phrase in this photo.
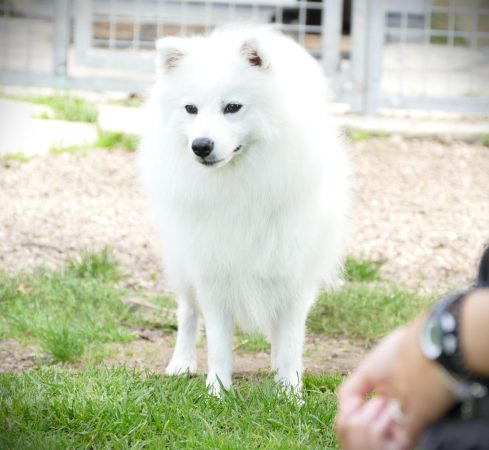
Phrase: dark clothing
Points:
(452, 432)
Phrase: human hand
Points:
(374, 373)
(372, 426)
(394, 369)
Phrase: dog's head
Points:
(214, 91)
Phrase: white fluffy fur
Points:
(249, 240)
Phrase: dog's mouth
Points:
(205, 162)
(217, 162)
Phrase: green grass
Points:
(365, 307)
(68, 311)
(105, 139)
(65, 107)
(6, 159)
(71, 149)
(485, 139)
(253, 342)
(132, 102)
(358, 134)
(100, 266)
(110, 140)
(365, 310)
(362, 269)
(56, 408)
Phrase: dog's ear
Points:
(250, 49)
(169, 52)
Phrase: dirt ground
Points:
(420, 205)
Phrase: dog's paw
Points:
(215, 386)
(290, 387)
(214, 389)
(178, 366)
(292, 393)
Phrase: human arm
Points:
(397, 369)
(474, 331)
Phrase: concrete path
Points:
(453, 127)
(22, 132)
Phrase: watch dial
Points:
(432, 339)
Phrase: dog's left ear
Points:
(250, 49)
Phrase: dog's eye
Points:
(232, 108)
(191, 109)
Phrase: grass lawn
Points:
(119, 408)
(73, 313)
(67, 312)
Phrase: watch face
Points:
(431, 339)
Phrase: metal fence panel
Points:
(27, 38)
(121, 33)
(436, 55)
(418, 54)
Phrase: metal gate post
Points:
(331, 35)
(61, 36)
(82, 17)
(367, 53)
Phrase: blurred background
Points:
(378, 53)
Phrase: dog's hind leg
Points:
(184, 359)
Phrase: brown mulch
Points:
(423, 207)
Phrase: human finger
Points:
(384, 421)
(346, 408)
(372, 409)
(354, 431)
(375, 371)
(399, 439)
(356, 385)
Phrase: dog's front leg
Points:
(184, 359)
(219, 333)
(287, 346)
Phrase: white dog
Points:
(249, 186)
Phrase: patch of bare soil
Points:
(322, 355)
(15, 357)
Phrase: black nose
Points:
(202, 147)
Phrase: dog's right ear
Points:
(169, 52)
(251, 50)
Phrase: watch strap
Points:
(451, 358)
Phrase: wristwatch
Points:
(440, 342)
